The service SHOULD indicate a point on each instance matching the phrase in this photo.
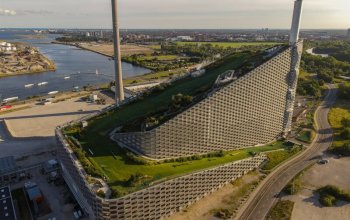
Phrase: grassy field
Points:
(306, 136)
(281, 211)
(160, 57)
(119, 168)
(232, 44)
(340, 110)
(277, 157)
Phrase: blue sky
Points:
(224, 14)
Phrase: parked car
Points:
(323, 161)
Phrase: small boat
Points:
(28, 85)
(10, 99)
(42, 83)
(97, 73)
(52, 93)
(67, 77)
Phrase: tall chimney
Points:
(294, 33)
(119, 88)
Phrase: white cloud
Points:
(7, 12)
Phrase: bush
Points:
(345, 122)
(137, 159)
(345, 134)
(330, 194)
(293, 187)
(115, 193)
(343, 150)
(101, 194)
(344, 92)
(328, 200)
(223, 213)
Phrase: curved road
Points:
(263, 198)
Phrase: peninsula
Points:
(20, 58)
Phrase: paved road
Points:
(263, 198)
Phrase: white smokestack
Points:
(119, 88)
(294, 33)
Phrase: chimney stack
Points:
(119, 88)
(294, 33)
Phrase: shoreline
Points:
(83, 48)
(27, 73)
(75, 44)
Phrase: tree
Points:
(345, 134)
(345, 122)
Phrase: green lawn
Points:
(160, 57)
(119, 168)
(340, 110)
(154, 47)
(306, 136)
(277, 157)
(232, 44)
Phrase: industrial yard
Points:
(20, 58)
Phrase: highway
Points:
(264, 196)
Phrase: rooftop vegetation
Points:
(126, 172)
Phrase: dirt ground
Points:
(41, 120)
(203, 209)
(307, 207)
(107, 49)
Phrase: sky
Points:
(173, 14)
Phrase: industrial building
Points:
(251, 109)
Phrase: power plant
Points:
(251, 109)
(119, 88)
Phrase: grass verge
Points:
(281, 211)
(277, 157)
(339, 118)
(306, 136)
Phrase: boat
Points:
(97, 73)
(10, 99)
(28, 85)
(42, 83)
(67, 77)
(52, 93)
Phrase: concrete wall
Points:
(255, 109)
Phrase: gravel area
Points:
(337, 173)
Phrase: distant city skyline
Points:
(179, 14)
